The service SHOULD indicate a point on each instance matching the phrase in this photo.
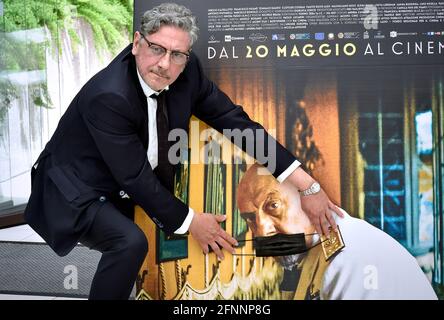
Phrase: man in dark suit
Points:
(110, 145)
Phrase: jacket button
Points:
(102, 199)
(122, 193)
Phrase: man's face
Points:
(269, 207)
(159, 72)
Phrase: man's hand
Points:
(206, 230)
(317, 206)
(318, 209)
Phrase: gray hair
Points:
(170, 14)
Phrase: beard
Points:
(289, 262)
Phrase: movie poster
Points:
(355, 90)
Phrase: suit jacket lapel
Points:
(134, 79)
(140, 99)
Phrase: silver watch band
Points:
(313, 189)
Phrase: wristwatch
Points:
(314, 188)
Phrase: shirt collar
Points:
(146, 88)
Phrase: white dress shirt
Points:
(152, 142)
(153, 148)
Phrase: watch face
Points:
(316, 187)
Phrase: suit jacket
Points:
(99, 150)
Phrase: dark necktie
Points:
(164, 170)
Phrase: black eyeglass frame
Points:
(150, 44)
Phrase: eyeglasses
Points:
(156, 50)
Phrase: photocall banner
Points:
(355, 90)
(314, 33)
